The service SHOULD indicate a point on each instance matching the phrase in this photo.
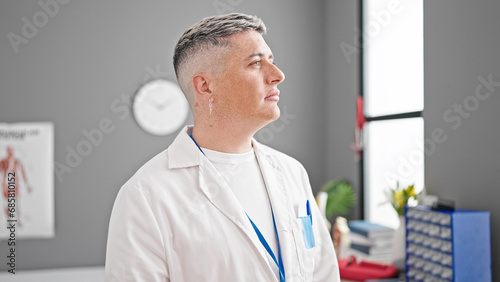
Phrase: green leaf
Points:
(341, 197)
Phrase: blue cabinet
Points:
(447, 245)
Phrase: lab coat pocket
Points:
(306, 248)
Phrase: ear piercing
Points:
(210, 105)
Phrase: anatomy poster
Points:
(27, 180)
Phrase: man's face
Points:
(246, 90)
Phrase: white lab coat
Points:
(176, 220)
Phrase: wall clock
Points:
(160, 107)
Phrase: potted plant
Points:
(335, 198)
(399, 197)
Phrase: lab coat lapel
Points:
(183, 153)
(220, 195)
(280, 202)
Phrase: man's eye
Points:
(256, 63)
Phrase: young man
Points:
(217, 205)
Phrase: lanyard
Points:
(191, 135)
(279, 261)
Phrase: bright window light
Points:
(393, 57)
(394, 152)
(393, 84)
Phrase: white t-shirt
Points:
(242, 174)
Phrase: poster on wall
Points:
(27, 179)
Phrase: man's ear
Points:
(201, 86)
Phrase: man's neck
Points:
(224, 139)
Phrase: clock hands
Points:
(160, 105)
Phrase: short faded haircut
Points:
(212, 32)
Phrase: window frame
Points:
(368, 119)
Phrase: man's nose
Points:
(276, 76)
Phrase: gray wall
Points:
(342, 87)
(91, 53)
(462, 43)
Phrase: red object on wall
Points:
(357, 146)
(360, 114)
(351, 269)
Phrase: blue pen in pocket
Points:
(307, 228)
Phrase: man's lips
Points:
(273, 95)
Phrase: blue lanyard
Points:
(279, 261)
(191, 135)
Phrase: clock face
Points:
(160, 107)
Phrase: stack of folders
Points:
(371, 241)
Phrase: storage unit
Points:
(447, 245)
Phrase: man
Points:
(217, 205)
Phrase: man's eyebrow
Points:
(260, 55)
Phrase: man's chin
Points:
(271, 118)
(275, 115)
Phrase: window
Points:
(393, 91)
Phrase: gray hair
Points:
(213, 32)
